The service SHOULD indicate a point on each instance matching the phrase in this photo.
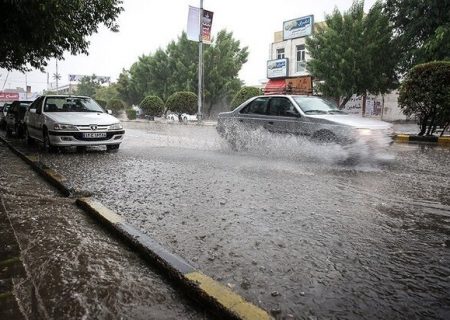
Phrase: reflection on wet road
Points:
(283, 223)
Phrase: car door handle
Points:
(270, 122)
(240, 120)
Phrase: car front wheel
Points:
(48, 147)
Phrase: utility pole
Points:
(56, 76)
(200, 65)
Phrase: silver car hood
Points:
(353, 121)
(82, 118)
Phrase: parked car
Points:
(185, 117)
(3, 111)
(310, 116)
(64, 121)
(15, 117)
(172, 117)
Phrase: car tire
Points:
(8, 131)
(47, 144)
(29, 139)
(111, 147)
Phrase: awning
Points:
(275, 86)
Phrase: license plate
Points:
(94, 135)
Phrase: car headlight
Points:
(64, 126)
(116, 126)
(364, 132)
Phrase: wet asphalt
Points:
(58, 263)
(285, 223)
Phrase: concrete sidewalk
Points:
(58, 263)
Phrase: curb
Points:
(54, 178)
(177, 268)
(206, 289)
(426, 139)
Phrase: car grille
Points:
(87, 128)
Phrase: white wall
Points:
(380, 107)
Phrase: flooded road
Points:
(284, 223)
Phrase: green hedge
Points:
(182, 102)
(131, 114)
(152, 106)
(425, 93)
(243, 95)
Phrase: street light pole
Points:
(200, 66)
(57, 76)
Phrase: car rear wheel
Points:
(112, 146)
(8, 131)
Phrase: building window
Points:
(301, 58)
(280, 53)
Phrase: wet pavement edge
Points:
(425, 139)
(176, 268)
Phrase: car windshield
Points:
(71, 104)
(316, 105)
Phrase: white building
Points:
(286, 71)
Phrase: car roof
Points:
(286, 95)
(63, 96)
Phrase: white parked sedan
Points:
(64, 121)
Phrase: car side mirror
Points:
(109, 111)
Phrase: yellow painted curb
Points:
(402, 138)
(33, 158)
(228, 299)
(54, 175)
(102, 210)
(444, 140)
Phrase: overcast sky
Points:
(146, 25)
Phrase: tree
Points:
(152, 106)
(106, 93)
(422, 30)
(353, 53)
(182, 102)
(35, 31)
(125, 90)
(116, 106)
(88, 86)
(243, 95)
(223, 61)
(176, 68)
(425, 92)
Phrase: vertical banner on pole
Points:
(193, 28)
(206, 26)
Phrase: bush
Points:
(243, 95)
(131, 114)
(182, 102)
(115, 105)
(102, 103)
(152, 106)
(425, 92)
